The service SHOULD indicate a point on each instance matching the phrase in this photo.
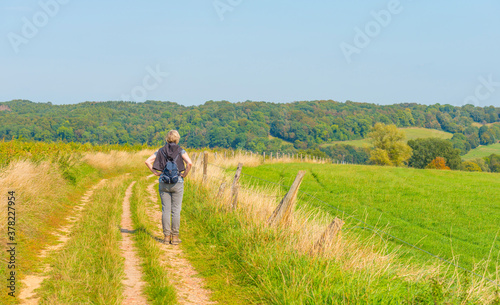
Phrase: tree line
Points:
(256, 126)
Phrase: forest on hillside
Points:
(254, 126)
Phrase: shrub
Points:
(438, 163)
(470, 167)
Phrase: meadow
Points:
(482, 151)
(449, 213)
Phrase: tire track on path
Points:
(132, 282)
(187, 282)
(32, 282)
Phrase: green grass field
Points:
(482, 151)
(449, 213)
(248, 264)
(411, 134)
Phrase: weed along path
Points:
(132, 283)
(34, 281)
(186, 280)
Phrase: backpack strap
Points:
(175, 159)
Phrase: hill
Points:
(246, 125)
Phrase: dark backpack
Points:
(170, 173)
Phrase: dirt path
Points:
(133, 275)
(188, 284)
(33, 282)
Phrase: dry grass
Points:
(37, 187)
(41, 195)
(249, 159)
(118, 160)
(351, 251)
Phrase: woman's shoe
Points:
(167, 240)
(175, 240)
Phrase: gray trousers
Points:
(171, 204)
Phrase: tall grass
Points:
(118, 161)
(36, 151)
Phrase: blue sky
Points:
(189, 52)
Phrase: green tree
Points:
(390, 147)
(487, 138)
(459, 141)
(427, 149)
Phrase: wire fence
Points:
(367, 226)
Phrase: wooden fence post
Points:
(271, 157)
(222, 187)
(225, 154)
(332, 232)
(264, 157)
(285, 208)
(215, 156)
(193, 169)
(205, 163)
(234, 187)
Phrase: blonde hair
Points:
(173, 137)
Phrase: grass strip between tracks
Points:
(89, 269)
(158, 288)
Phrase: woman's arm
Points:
(149, 163)
(189, 164)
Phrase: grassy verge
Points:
(45, 195)
(158, 289)
(251, 264)
(89, 269)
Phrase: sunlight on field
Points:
(411, 134)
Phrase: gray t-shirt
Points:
(181, 180)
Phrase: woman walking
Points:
(171, 193)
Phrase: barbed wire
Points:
(370, 227)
